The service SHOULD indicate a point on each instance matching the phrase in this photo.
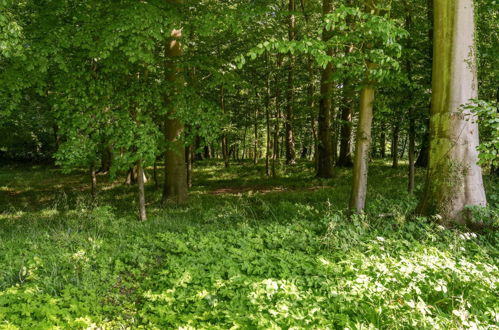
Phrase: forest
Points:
(249, 164)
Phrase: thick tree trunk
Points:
(325, 153)
(454, 180)
(106, 159)
(290, 95)
(142, 199)
(175, 186)
(362, 147)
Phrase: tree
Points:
(454, 178)
(324, 148)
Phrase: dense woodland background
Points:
(286, 154)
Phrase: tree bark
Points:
(395, 145)
(345, 158)
(290, 140)
(325, 153)
(454, 179)
(362, 146)
(175, 186)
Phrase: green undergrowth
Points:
(247, 252)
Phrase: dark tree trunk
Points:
(395, 145)
(325, 153)
(189, 152)
(345, 158)
(290, 140)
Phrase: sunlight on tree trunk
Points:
(454, 179)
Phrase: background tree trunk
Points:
(142, 198)
(290, 140)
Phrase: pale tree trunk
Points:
(362, 146)
(93, 180)
(175, 187)
(325, 153)
(454, 180)
(290, 140)
(142, 198)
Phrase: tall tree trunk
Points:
(325, 153)
(395, 145)
(362, 147)
(175, 186)
(382, 142)
(142, 199)
(454, 179)
(345, 158)
(412, 147)
(268, 153)
(290, 140)
(225, 140)
(255, 144)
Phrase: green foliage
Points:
(488, 118)
(253, 259)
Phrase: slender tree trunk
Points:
(244, 143)
(142, 198)
(255, 144)
(290, 140)
(362, 147)
(225, 140)
(268, 153)
(382, 142)
(189, 156)
(325, 153)
(345, 158)
(412, 147)
(454, 179)
(175, 187)
(155, 174)
(93, 180)
(395, 145)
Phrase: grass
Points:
(247, 252)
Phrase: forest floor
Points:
(247, 252)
